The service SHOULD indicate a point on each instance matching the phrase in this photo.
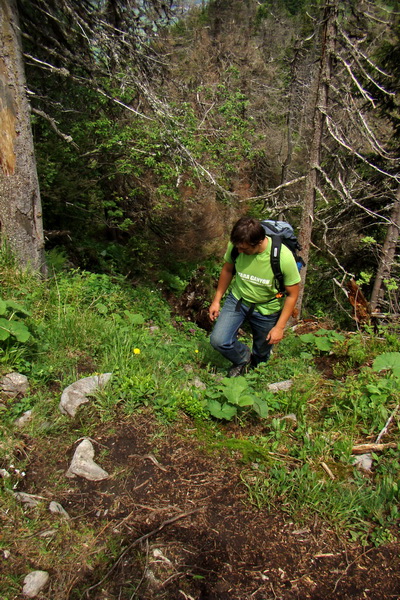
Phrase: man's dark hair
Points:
(247, 231)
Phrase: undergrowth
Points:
(295, 446)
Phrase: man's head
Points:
(247, 235)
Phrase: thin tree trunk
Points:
(20, 205)
(387, 255)
(328, 38)
(290, 119)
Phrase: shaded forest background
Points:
(156, 125)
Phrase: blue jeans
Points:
(225, 333)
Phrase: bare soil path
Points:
(184, 528)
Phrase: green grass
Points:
(82, 323)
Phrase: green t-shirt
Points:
(254, 280)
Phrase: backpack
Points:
(281, 233)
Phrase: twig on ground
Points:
(327, 470)
(350, 565)
(384, 430)
(364, 448)
(138, 541)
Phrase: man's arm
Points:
(276, 333)
(223, 283)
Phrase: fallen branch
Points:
(327, 470)
(135, 543)
(365, 448)
(384, 430)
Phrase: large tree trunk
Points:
(20, 206)
(328, 38)
(387, 255)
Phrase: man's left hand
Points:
(275, 335)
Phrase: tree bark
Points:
(328, 38)
(388, 255)
(20, 204)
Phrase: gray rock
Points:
(49, 533)
(57, 509)
(28, 499)
(291, 419)
(34, 582)
(83, 465)
(77, 393)
(197, 383)
(24, 419)
(14, 384)
(363, 462)
(280, 386)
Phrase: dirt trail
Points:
(188, 514)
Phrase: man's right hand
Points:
(214, 309)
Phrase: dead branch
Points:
(135, 543)
(53, 123)
(386, 427)
(373, 447)
(275, 190)
(333, 130)
(327, 470)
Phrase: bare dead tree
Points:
(387, 255)
(328, 41)
(20, 204)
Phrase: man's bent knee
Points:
(216, 341)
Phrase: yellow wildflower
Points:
(136, 351)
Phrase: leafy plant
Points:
(389, 361)
(233, 396)
(10, 324)
(322, 341)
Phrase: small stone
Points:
(291, 417)
(363, 462)
(83, 464)
(28, 499)
(34, 582)
(78, 393)
(280, 386)
(14, 384)
(24, 419)
(49, 533)
(197, 383)
(56, 508)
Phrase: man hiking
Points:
(254, 296)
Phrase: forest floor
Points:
(185, 529)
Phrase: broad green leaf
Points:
(18, 308)
(323, 344)
(3, 307)
(308, 338)
(4, 329)
(221, 411)
(246, 400)
(336, 336)
(234, 388)
(233, 396)
(19, 331)
(388, 361)
(134, 319)
(261, 408)
(235, 382)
